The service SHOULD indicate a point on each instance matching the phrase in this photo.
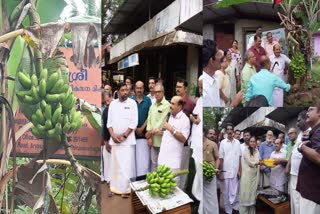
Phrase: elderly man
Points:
(258, 51)
(309, 171)
(265, 150)
(251, 39)
(293, 140)
(279, 65)
(122, 121)
(210, 64)
(142, 148)
(264, 82)
(230, 162)
(294, 163)
(248, 70)
(270, 44)
(182, 91)
(151, 84)
(157, 117)
(176, 133)
(278, 179)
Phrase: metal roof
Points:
(250, 10)
(238, 114)
(134, 13)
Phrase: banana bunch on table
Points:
(208, 171)
(56, 115)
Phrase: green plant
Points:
(297, 65)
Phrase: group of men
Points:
(263, 77)
(144, 131)
(297, 164)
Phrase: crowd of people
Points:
(242, 171)
(260, 82)
(142, 131)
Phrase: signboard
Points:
(85, 143)
(128, 61)
(278, 35)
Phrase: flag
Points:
(276, 2)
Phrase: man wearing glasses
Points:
(279, 65)
(157, 117)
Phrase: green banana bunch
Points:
(161, 182)
(56, 115)
(208, 171)
(297, 65)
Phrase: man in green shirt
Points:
(292, 137)
(248, 70)
(157, 117)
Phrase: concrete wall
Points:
(208, 31)
(192, 64)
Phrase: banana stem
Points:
(143, 188)
(11, 35)
(181, 172)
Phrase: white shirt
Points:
(152, 98)
(196, 133)
(278, 177)
(121, 116)
(211, 96)
(171, 149)
(278, 68)
(230, 152)
(296, 156)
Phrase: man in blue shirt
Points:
(264, 82)
(142, 148)
(265, 150)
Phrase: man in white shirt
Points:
(151, 84)
(251, 39)
(210, 64)
(278, 178)
(279, 65)
(294, 163)
(270, 44)
(230, 162)
(122, 121)
(177, 130)
(246, 139)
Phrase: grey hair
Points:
(247, 55)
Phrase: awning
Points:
(175, 37)
(194, 24)
(285, 115)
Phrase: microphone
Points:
(276, 63)
(168, 116)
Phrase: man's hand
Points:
(150, 142)
(139, 131)
(192, 118)
(239, 174)
(148, 134)
(115, 138)
(121, 138)
(108, 147)
(168, 127)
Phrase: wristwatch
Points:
(299, 147)
(125, 136)
(174, 132)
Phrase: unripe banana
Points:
(24, 80)
(42, 88)
(34, 80)
(44, 74)
(56, 114)
(52, 81)
(58, 87)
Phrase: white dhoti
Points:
(277, 97)
(154, 157)
(105, 164)
(294, 195)
(197, 182)
(307, 206)
(122, 168)
(209, 202)
(248, 209)
(231, 194)
(184, 165)
(142, 157)
(264, 180)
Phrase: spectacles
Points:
(158, 92)
(292, 133)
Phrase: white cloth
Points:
(197, 181)
(211, 96)
(243, 146)
(196, 133)
(121, 116)
(232, 71)
(294, 195)
(277, 175)
(171, 149)
(296, 158)
(231, 194)
(152, 98)
(105, 164)
(230, 152)
(278, 65)
(209, 204)
(307, 206)
(122, 168)
(269, 47)
(142, 157)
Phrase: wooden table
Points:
(281, 208)
(138, 208)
